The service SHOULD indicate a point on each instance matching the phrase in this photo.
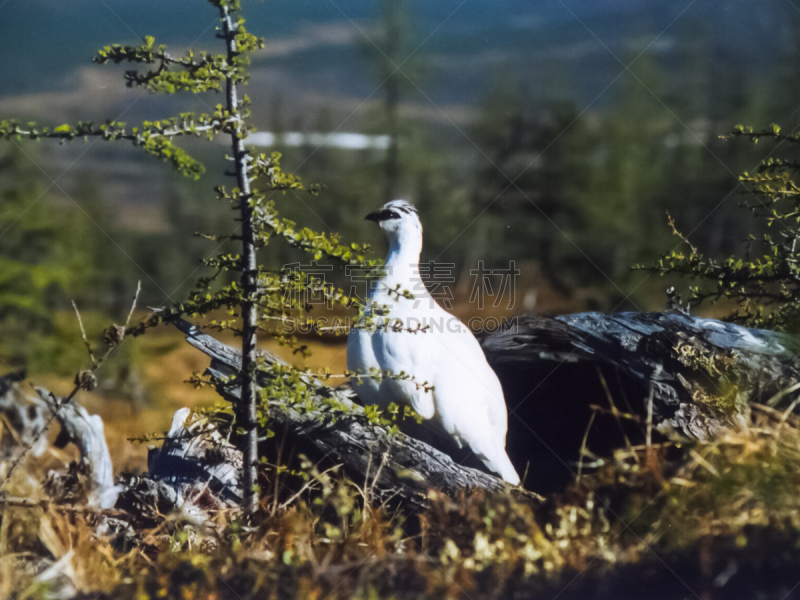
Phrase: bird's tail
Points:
(501, 464)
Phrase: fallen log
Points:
(576, 386)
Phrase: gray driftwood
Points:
(396, 465)
(29, 413)
(87, 433)
(198, 463)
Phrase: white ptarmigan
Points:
(467, 400)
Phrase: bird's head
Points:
(398, 218)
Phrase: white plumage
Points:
(467, 400)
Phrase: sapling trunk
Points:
(246, 410)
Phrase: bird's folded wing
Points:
(402, 354)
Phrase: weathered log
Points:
(396, 465)
(199, 464)
(87, 433)
(700, 375)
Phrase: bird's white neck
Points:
(402, 263)
(404, 250)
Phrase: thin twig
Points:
(133, 306)
(307, 485)
(614, 410)
(583, 447)
(649, 430)
(779, 396)
(525, 473)
(790, 410)
(384, 460)
(83, 336)
(680, 235)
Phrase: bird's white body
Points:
(433, 347)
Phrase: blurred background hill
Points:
(514, 126)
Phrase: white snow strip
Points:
(347, 141)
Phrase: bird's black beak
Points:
(378, 216)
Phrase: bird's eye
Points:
(393, 215)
